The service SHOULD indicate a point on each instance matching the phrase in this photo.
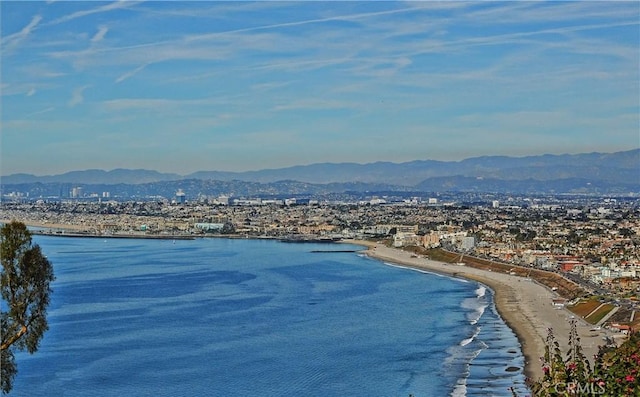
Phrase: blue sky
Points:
(234, 86)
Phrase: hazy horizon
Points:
(183, 87)
(298, 165)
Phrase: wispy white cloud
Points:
(26, 89)
(130, 73)
(77, 97)
(301, 64)
(345, 17)
(272, 85)
(220, 45)
(141, 54)
(103, 8)
(520, 37)
(38, 112)
(40, 71)
(514, 13)
(99, 36)
(418, 68)
(321, 52)
(13, 40)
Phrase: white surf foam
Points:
(469, 340)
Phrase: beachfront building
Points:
(468, 243)
(375, 230)
(405, 228)
(404, 239)
(431, 240)
(209, 227)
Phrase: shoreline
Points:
(527, 310)
(524, 305)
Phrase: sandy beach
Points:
(525, 305)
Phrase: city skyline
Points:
(237, 86)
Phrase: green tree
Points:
(573, 237)
(25, 285)
(626, 232)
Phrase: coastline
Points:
(66, 230)
(524, 305)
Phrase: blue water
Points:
(218, 317)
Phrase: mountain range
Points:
(617, 172)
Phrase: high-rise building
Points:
(76, 192)
(181, 197)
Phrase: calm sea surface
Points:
(218, 317)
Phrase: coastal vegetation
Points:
(615, 371)
(25, 286)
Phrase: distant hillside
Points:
(580, 173)
(621, 167)
(194, 188)
(116, 176)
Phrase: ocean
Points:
(232, 317)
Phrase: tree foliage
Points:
(25, 287)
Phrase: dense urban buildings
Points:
(590, 244)
(595, 239)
